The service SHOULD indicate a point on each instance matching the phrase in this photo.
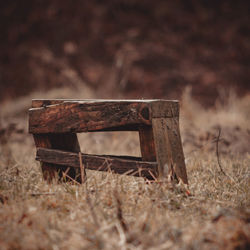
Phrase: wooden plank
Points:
(169, 152)
(116, 164)
(82, 117)
(158, 107)
(162, 147)
(176, 149)
(49, 170)
(161, 109)
(147, 143)
(68, 142)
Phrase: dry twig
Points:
(45, 193)
(65, 175)
(217, 152)
(82, 168)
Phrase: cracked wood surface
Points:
(117, 164)
(67, 142)
(62, 116)
(52, 123)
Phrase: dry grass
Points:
(120, 212)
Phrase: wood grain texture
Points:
(62, 116)
(68, 142)
(55, 122)
(176, 149)
(115, 164)
(169, 152)
(78, 117)
(49, 170)
(162, 147)
(164, 109)
(147, 143)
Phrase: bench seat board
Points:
(89, 115)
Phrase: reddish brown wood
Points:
(147, 143)
(164, 109)
(175, 146)
(160, 107)
(169, 150)
(116, 164)
(62, 116)
(49, 170)
(55, 122)
(163, 152)
(68, 142)
(82, 117)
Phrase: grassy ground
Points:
(120, 212)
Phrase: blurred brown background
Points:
(133, 48)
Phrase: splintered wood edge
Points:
(117, 164)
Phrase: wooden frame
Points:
(55, 124)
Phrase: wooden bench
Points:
(55, 124)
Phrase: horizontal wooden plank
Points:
(116, 164)
(62, 116)
(84, 116)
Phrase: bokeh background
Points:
(125, 48)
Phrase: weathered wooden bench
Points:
(55, 124)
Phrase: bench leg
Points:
(168, 146)
(63, 141)
(147, 143)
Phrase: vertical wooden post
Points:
(49, 170)
(162, 147)
(63, 141)
(169, 152)
(175, 146)
(147, 144)
(168, 146)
